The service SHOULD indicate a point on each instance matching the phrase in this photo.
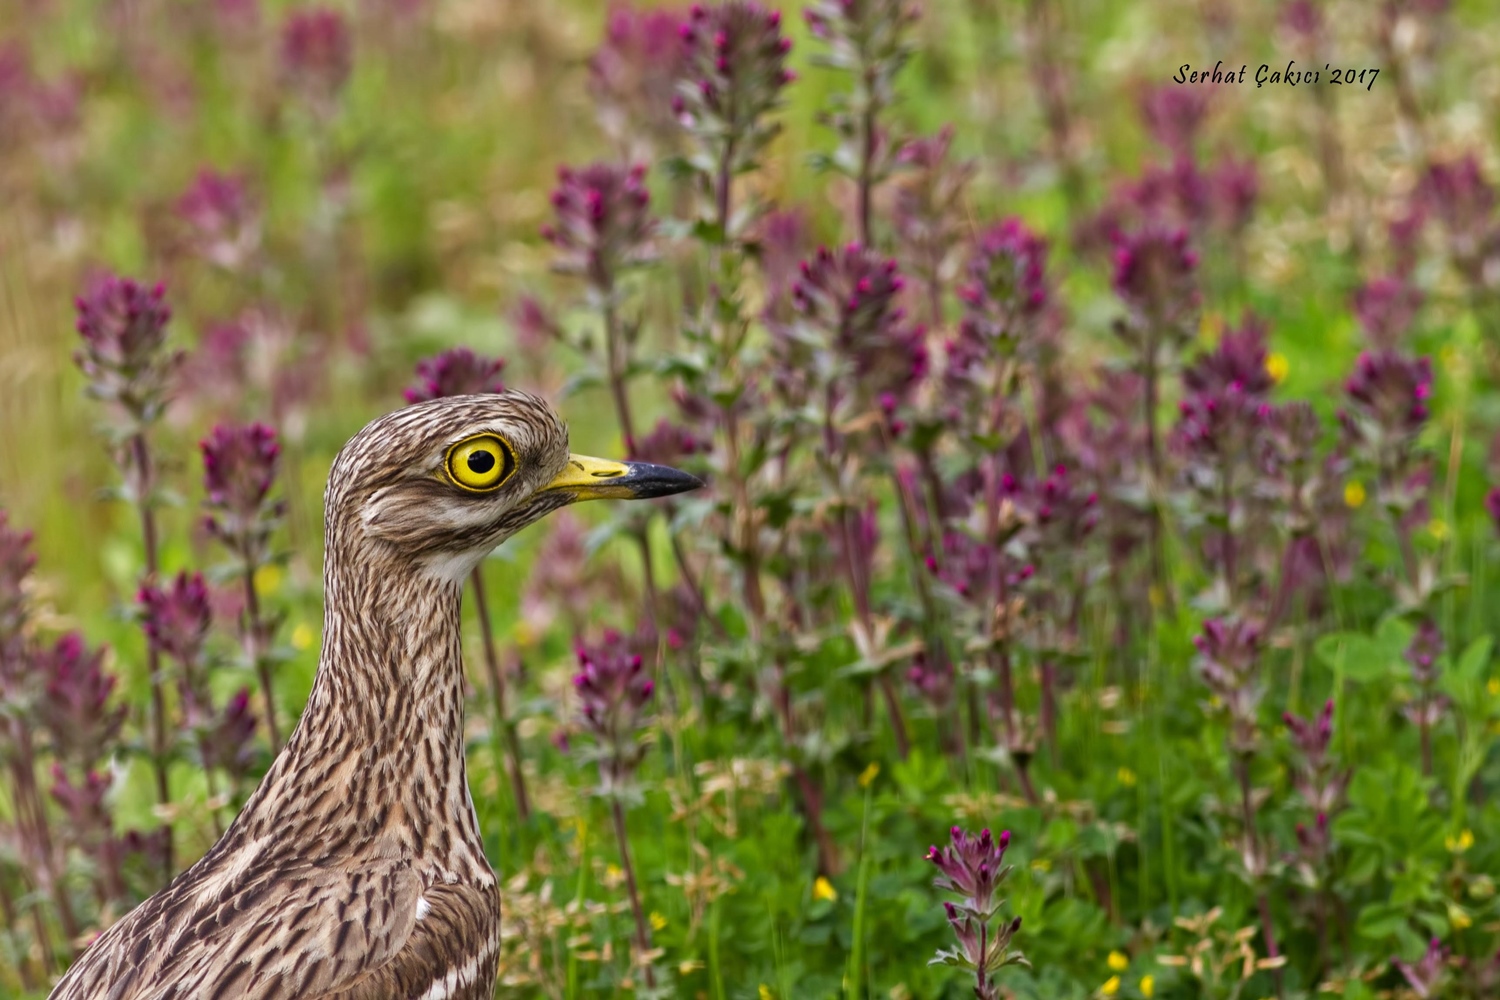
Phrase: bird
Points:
(356, 869)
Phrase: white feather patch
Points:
(454, 567)
(460, 975)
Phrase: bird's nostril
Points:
(606, 473)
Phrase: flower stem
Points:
(141, 458)
(254, 639)
(642, 935)
(29, 801)
(497, 696)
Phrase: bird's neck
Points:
(379, 750)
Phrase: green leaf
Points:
(1380, 921)
(1357, 655)
(1474, 662)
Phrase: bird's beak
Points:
(598, 479)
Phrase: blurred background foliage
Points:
(385, 175)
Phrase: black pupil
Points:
(481, 462)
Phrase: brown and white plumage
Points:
(356, 870)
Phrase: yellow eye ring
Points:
(481, 464)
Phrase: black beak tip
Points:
(647, 481)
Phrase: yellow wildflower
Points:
(1277, 366)
(869, 774)
(657, 921)
(1354, 493)
(1210, 327)
(1460, 843)
(612, 871)
(1041, 864)
(1437, 528)
(1493, 687)
(302, 636)
(1118, 961)
(1459, 918)
(1127, 777)
(1111, 986)
(765, 992)
(523, 634)
(268, 579)
(823, 889)
(1148, 987)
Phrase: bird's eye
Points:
(480, 464)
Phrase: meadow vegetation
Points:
(1090, 595)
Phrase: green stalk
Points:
(854, 973)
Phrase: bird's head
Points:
(439, 484)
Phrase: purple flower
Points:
(1388, 393)
(933, 681)
(1457, 193)
(536, 329)
(1492, 505)
(218, 373)
(784, 242)
(239, 468)
(928, 212)
(222, 217)
(667, 444)
(613, 691)
(973, 868)
(1228, 661)
(1006, 285)
(227, 741)
(84, 802)
(1319, 783)
(735, 67)
(124, 328)
(1423, 651)
(1405, 236)
(1234, 187)
(1155, 276)
(602, 223)
(967, 565)
(57, 111)
(847, 301)
(74, 706)
(633, 75)
(16, 562)
(90, 824)
(317, 55)
(863, 33)
(1229, 646)
(1174, 115)
(611, 683)
(1312, 736)
(456, 372)
(1427, 976)
(1302, 18)
(1237, 363)
(1169, 196)
(1056, 511)
(177, 618)
(1385, 309)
